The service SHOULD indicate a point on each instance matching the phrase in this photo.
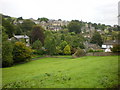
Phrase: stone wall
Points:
(102, 54)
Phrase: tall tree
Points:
(50, 45)
(97, 39)
(74, 26)
(37, 34)
(27, 25)
(9, 27)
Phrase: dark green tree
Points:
(74, 26)
(37, 34)
(9, 27)
(27, 25)
(97, 39)
(43, 19)
(7, 48)
(7, 57)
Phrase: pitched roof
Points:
(20, 36)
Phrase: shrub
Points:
(67, 50)
(116, 48)
(99, 50)
(7, 58)
(79, 53)
(21, 52)
(90, 50)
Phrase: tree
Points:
(20, 18)
(67, 50)
(37, 34)
(37, 45)
(7, 48)
(74, 26)
(18, 30)
(7, 58)
(9, 27)
(21, 52)
(27, 25)
(43, 19)
(97, 39)
(50, 45)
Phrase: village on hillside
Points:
(108, 33)
(79, 48)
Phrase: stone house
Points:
(109, 44)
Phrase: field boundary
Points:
(102, 54)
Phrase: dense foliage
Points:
(97, 39)
(37, 34)
(67, 50)
(37, 46)
(21, 52)
(74, 26)
(7, 57)
(79, 52)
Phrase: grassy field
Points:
(64, 72)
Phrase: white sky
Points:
(96, 11)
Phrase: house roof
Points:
(20, 36)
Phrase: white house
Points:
(109, 44)
(19, 37)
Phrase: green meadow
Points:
(63, 72)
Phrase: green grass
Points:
(84, 72)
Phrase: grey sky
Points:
(96, 11)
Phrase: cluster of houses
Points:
(49, 25)
(58, 24)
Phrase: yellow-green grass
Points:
(84, 72)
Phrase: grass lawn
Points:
(84, 72)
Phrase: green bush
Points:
(116, 48)
(67, 50)
(92, 50)
(7, 58)
(21, 52)
(79, 53)
(99, 50)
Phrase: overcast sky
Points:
(96, 11)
